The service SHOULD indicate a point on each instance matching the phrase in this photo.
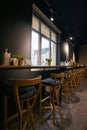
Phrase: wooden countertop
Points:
(26, 67)
(33, 67)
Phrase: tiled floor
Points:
(72, 116)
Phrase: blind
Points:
(45, 30)
(53, 36)
(35, 23)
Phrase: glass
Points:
(34, 48)
(53, 53)
(45, 51)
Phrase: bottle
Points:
(71, 62)
(6, 57)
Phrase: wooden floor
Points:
(72, 116)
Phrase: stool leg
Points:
(20, 123)
(29, 108)
(53, 104)
(60, 97)
(5, 113)
(40, 101)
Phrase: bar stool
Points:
(24, 91)
(80, 75)
(55, 84)
(71, 76)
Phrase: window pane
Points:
(45, 30)
(53, 53)
(34, 48)
(45, 50)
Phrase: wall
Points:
(83, 56)
(15, 34)
(15, 26)
(63, 52)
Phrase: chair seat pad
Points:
(50, 81)
(9, 90)
(29, 94)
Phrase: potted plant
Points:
(20, 60)
(13, 60)
(49, 61)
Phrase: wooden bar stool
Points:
(24, 91)
(71, 76)
(55, 84)
(80, 75)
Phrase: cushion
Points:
(29, 91)
(50, 81)
(29, 94)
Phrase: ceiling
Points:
(70, 16)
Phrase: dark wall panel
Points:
(15, 34)
(15, 26)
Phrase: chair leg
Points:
(40, 102)
(57, 98)
(29, 108)
(53, 106)
(5, 113)
(20, 123)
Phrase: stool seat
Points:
(29, 94)
(50, 81)
(29, 91)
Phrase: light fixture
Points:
(52, 19)
(70, 37)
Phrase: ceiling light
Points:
(70, 38)
(52, 19)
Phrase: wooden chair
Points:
(24, 91)
(80, 75)
(54, 83)
(65, 88)
(71, 77)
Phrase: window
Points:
(44, 41)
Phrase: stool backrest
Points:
(25, 82)
(57, 76)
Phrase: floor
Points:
(72, 116)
